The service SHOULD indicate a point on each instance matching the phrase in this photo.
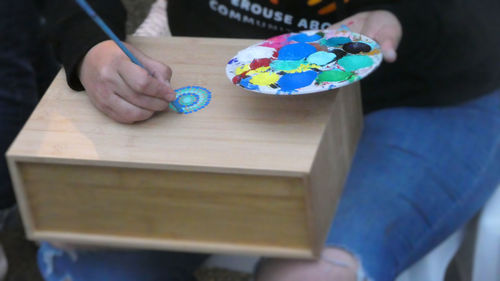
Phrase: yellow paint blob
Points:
(258, 70)
(242, 69)
(372, 52)
(265, 79)
(303, 68)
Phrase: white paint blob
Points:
(255, 52)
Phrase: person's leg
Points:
(116, 265)
(418, 175)
(334, 265)
(26, 68)
(18, 90)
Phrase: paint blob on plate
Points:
(306, 62)
(191, 99)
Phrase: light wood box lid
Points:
(238, 132)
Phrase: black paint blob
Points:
(356, 47)
(339, 53)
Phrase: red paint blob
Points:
(237, 79)
(256, 63)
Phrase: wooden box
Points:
(249, 174)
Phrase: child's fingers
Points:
(388, 38)
(100, 73)
(389, 51)
(354, 23)
(146, 102)
(119, 109)
(159, 70)
(380, 25)
(140, 81)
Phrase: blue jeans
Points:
(27, 66)
(418, 175)
(116, 265)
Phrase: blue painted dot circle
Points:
(188, 99)
(191, 99)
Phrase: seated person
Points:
(426, 162)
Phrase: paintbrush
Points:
(93, 15)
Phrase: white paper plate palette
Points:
(305, 62)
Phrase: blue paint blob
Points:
(286, 65)
(296, 51)
(303, 38)
(321, 58)
(245, 83)
(292, 81)
(335, 41)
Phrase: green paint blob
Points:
(354, 78)
(353, 63)
(333, 76)
(286, 65)
(321, 58)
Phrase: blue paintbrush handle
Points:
(93, 15)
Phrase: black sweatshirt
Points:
(449, 53)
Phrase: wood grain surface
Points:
(249, 173)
